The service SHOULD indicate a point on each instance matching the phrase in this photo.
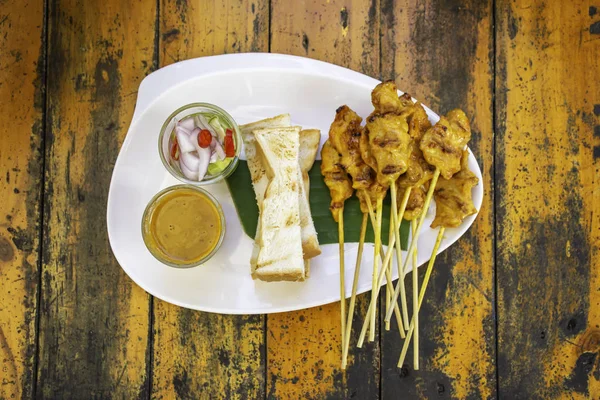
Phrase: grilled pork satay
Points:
(340, 188)
(442, 147)
(453, 204)
(344, 136)
(384, 146)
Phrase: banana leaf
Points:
(242, 192)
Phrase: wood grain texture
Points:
(21, 133)
(196, 354)
(441, 52)
(94, 320)
(548, 154)
(303, 348)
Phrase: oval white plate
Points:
(251, 87)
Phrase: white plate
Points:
(251, 87)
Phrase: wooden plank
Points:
(303, 348)
(441, 53)
(21, 129)
(548, 182)
(202, 355)
(94, 320)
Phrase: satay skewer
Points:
(340, 189)
(454, 203)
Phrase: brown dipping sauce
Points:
(182, 226)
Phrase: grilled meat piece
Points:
(388, 142)
(344, 136)
(443, 144)
(336, 179)
(453, 198)
(415, 204)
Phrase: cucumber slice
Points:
(218, 127)
(215, 168)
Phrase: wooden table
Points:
(513, 309)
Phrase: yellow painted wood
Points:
(442, 55)
(21, 76)
(303, 348)
(548, 199)
(94, 319)
(196, 354)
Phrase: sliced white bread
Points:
(256, 166)
(309, 145)
(280, 238)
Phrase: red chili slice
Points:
(204, 138)
(229, 147)
(175, 150)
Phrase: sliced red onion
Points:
(204, 155)
(194, 138)
(192, 175)
(213, 157)
(202, 123)
(185, 143)
(187, 123)
(190, 160)
(181, 129)
(218, 149)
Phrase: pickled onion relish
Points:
(201, 146)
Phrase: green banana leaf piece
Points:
(242, 192)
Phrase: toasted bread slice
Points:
(280, 237)
(309, 143)
(256, 166)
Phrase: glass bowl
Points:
(150, 240)
(167, 135)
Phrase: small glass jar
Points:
(150, 235)
(167, 134)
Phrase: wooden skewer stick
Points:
(421, 294)
(401, 328)
(361, 243)
(388, 288)
(415, 237)
(375, 292)
(415, 293)
(342, 276)
(396, 223)
(373, 305)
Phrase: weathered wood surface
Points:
(304, 347)
(196, 354)
(449, 70)
(21, 138)
(536, 240)
(93, 333)
(548, 199)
